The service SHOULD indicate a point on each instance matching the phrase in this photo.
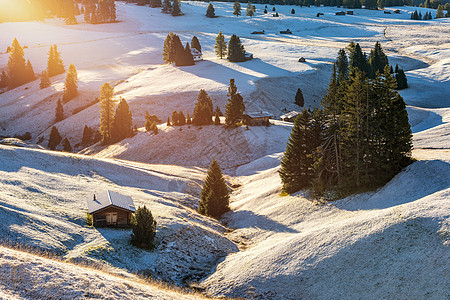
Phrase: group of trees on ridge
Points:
(359, 140)
(174, 52)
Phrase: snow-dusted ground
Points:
(391, 243)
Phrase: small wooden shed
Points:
(340, 13)
(301, 59)
(111, 209)
(197, 55)
(260, 118)
(290, 116)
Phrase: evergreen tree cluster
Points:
(178, 118)
(19, 71)
(359, 140)
(173, 8)
(174, 52)
(418, 16)
(150, 122)
(99, 11)
(214, 197)
(55, 139)
(203, 110)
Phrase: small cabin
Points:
(387, 12)
(111, 209)
(258, 32)
(301, 59)
(287, 31)
(197, 55)
(340, 13)
(290, 116)
(350, 12)
(260, 118)
(397, 11)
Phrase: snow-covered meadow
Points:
(390, 243)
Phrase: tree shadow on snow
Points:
(247, 219)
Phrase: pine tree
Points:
(195, 43)
(106, 112)
(235, 107)
(250, 11)
(220, 46)
(55, 64)
(169, 49)
(45, 81)
(342, 66)
(292, 11)
(296, 165)
(299, 100)
(4, 80)
(54, 138)
(237, 9)
(71, 84)
(176, 9)
(155, 3)
(178, 50)
(168, 122)
(30, 72)
(217, 118)
(143, 226)
(188, 119)
(377, 60)
(358, 59)
(210, 11)
(122, 125)
(166, 7)
(184, 57)
(203, 110)
(16, 65)
(59, 112)
(214, 197)
(400, 77)
(149, 119)
(440, 12)
(66, 145)
(87, 135)
(236, 52)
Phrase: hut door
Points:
(111, 218)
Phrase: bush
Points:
(144, 228)
(88, 219)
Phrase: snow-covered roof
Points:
(195, 51)
(110, 198)
(258, 114)
(290, 114)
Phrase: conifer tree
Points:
(236, 51)
(30, 72)
(203, 110)
(235, 107)
(178, 50)
(155, 3)
(167, 7)
(440, 12)
(183, 56)
(299, 100)
(400, 77)
(217, 118)
(358, 59)
(4, 80)
(55, 64)
(148, 121)
(214, 197)
(195, 43)
(237, 9)
(45, 81)
(220, 46)
(87, 135)
(250, 11)
(71, 84)
(176, 9)
(17, 68)
(59, 112)
(54, 138)
(296, 165)
(122, 125)
(210, 11)
(66, 145)
(106, 112)
(143, 226)
(169, 49)
(377, 60)
(342, 66)
(188, 119)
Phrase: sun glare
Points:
(14, 10)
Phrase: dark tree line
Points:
(359, 140)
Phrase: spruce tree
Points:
(87, 135)
(235, 107)
(106, 112)
(299, 100)
(143, 226)
(55, 64)
(342, 66)
(195, 43)
(237, 9)
(250, 11)
(169, 49)
(30, 72)
(377, 60)
(54, 138)
(217, 118)
(296, 164)
(16, 65)
(203, 110)
(400, 77)
(214, 197)
(45, 81)
(358, 59)
(168, 122)
(220, 46)
(122, 125)
(71, 84)
(59, 112)
(236, 52)
(210, 11)
(167, 7)
(176, 9)
(4, 80)
(178, 50)
(66, 145)
(188, 119)
(155, 3)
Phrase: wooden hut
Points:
(197, 55)
(340, 13)
(301, 59)
(260, 118)
(290, 116)
(111, 209)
